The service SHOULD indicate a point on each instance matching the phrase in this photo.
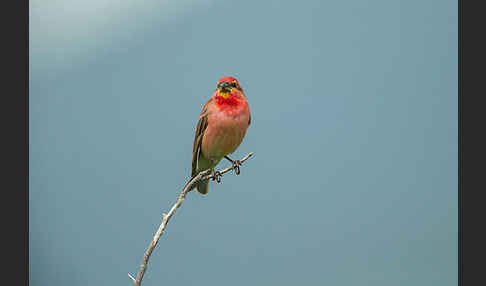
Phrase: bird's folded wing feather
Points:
(198, 137)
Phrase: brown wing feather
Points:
(200, 128)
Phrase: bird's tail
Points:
(203, 187)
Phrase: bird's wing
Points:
(249, 120)
(200, 128)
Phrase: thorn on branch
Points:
(131, 277)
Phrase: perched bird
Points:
(221, 127)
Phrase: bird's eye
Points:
(234, 84)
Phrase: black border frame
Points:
(471, 238)
(15, 120)
(471, 145)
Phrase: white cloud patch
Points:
(64, 32)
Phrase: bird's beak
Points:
(224, 87)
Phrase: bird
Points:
(222, 125)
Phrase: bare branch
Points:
(166, 217)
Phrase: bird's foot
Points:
(236, 164)
(217, 176)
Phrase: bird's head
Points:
(227, 85)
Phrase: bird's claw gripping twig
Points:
(236, 164)
(217, 176)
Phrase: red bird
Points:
(222, 125)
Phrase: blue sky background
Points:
(354, 129)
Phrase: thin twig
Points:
(204, 175)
